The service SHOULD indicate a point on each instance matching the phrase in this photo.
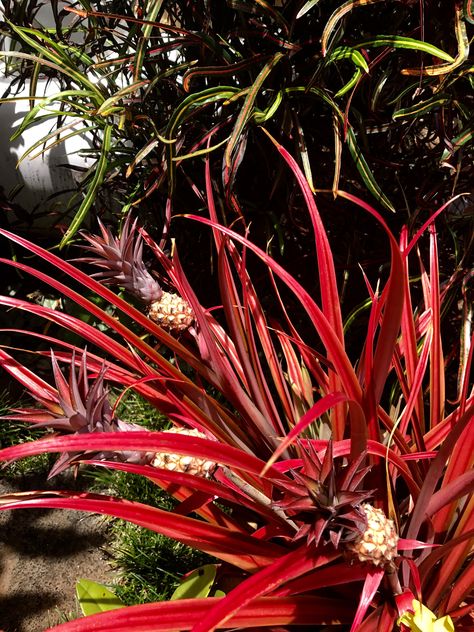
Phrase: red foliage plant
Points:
(331, 486)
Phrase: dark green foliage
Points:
(345, 88)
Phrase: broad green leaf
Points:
(197, 584)
(408, 43)
(350, 84)
(94, 597)
(261, 117)
(190, 103)
(201, 152)
(150, 17)
(57, 140)
(357, 156)
(359, 61)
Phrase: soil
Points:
(43, 553)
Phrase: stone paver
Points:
(43, 553)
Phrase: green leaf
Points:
(306, 7)
(347, 52)
(197, 584)
(33, 113)
(94, 598)
(97, 180)
(196, 100)
(338, 14)
(408, 43)
(464, 137)
(247, 110)
(469, 11)
(421, 108)
(53, 54)
(365, 171)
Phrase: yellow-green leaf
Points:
(94, 598)
(197, 584)
(423, 620)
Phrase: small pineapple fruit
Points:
(378, 543)
(172, 312)
(121, 263)
(187, 464)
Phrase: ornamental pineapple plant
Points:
(302, 526)
(121, 261)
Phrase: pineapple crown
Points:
(80, 406)
(121, 260)
(325, 502)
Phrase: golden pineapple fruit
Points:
(171, 312)
(181, 463)
(378, 543)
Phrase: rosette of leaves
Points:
(285, 527)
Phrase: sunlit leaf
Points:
(94, 597)
(197, 584)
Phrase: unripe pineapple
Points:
(121, 260)
(187, 464)
(378, 543)
(172, 312)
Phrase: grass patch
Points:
(15, 432)
(150, 565)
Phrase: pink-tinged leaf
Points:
(408, 336)
(404, 602)
(238, 549)
(382, 619)
(34, 384)
(288, 567)
(147, 442)
(444, 550)
(453, 564)
(322, 406)
(370, 404)
(335, 350)
(435, 472)
(460, 486)
(99, 289)
(343, 448)
(460, 464)
(392, 298)
(371, 584)
(329, 575)
(331, 306)
(170, 480)
(461, 590)
(437, 435)
(410, 545)
(437, 362)
(428, 222)
(182, 615)
(415, 392)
